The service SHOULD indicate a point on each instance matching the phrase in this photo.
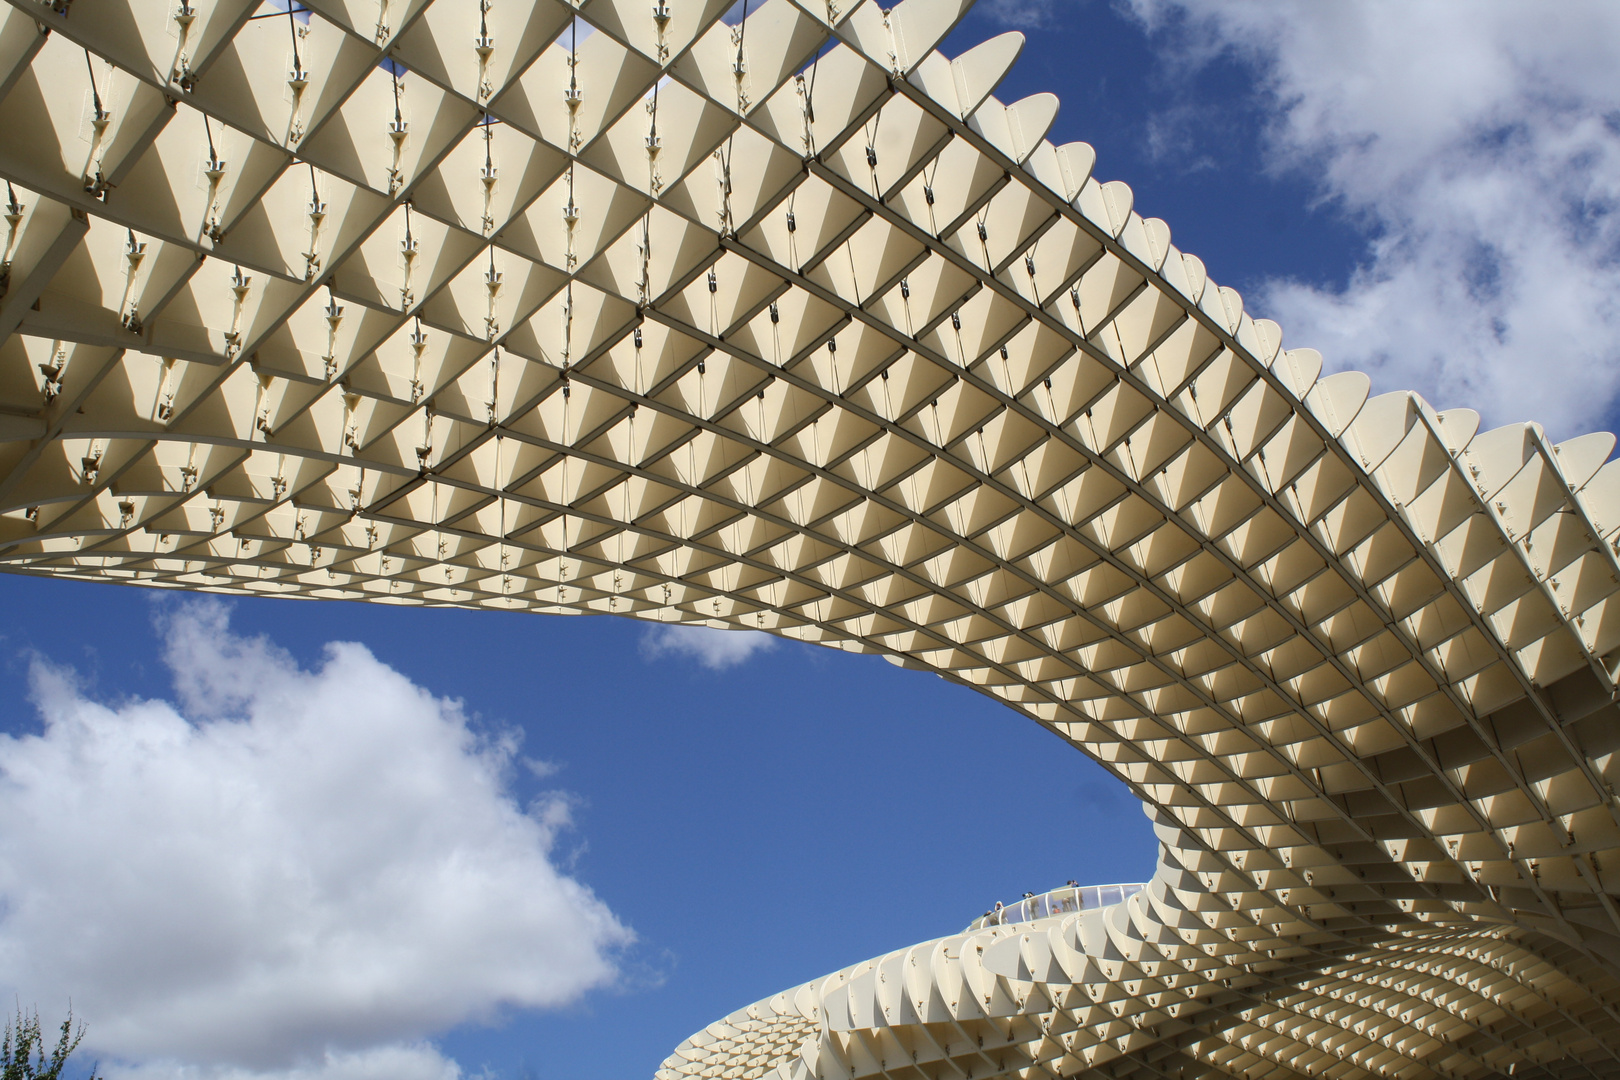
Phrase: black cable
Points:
(95, 95)
(810, 94)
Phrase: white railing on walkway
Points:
(1057, 902)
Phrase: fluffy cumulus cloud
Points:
(1479, 145)
(289, 873)
(713, 649)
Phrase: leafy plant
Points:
(22, 1051)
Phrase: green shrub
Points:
(22, 1052)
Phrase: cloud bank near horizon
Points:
(284, 873)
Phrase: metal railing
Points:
(1062, 901)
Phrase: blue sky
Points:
(755, 827)
(1429, 197)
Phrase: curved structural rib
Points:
(790, 324)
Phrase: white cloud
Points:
(1479, 144)
(1025, 14)
(714, 649)
(417, 1061)
(310, 871)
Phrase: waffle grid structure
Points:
(781, 320)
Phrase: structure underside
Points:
(768, 315)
